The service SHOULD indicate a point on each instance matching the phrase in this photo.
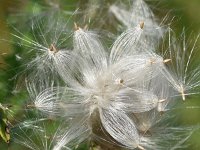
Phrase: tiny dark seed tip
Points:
(53, 48)
(121, 81)
(162, 113)
(142, 25)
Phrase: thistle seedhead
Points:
(111, 94)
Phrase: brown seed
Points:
(53, 48)
(142, 25)
(121, 81)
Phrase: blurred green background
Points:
(15, 12)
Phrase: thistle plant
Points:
(119, 96)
